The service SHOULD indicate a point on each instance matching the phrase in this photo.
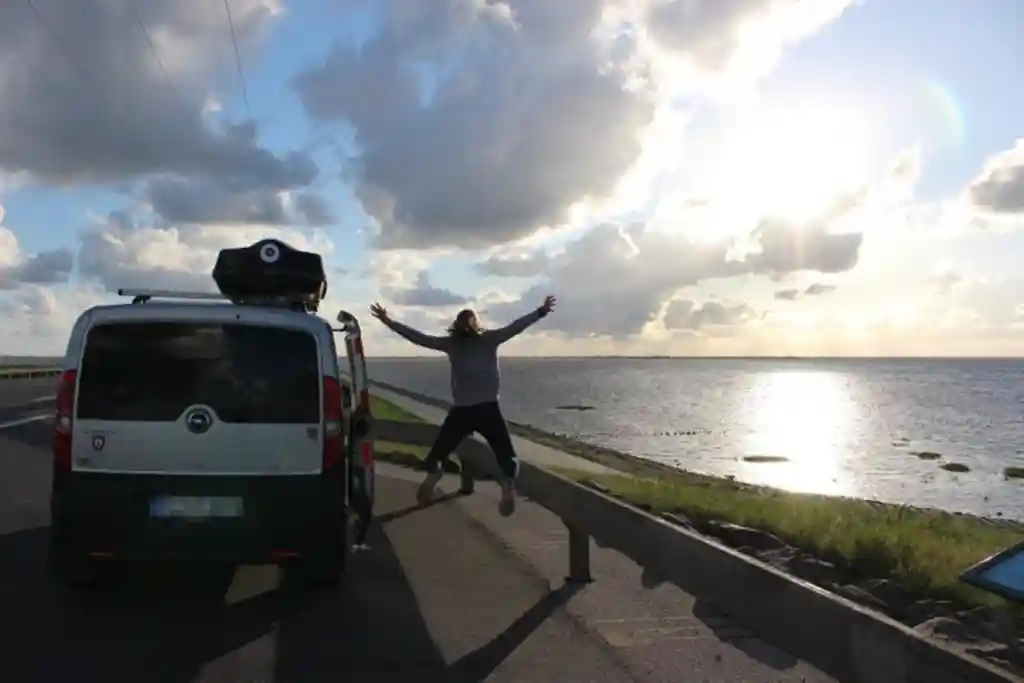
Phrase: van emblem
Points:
(98, 442)
(269, 252)
(198, 421)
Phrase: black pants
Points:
(483, 418)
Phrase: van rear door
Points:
(198, 397)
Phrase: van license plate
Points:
(195, 507)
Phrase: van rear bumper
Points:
(282, 517)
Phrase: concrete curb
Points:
(836, 635)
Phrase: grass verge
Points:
(396, 453)
(384, 410)
(923, 551)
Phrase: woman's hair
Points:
(466, 325)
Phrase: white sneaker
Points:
(508, 498)
(425, 494)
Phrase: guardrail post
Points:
(579, 555)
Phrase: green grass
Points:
(383, 410)
(923, 551)
(391, 451)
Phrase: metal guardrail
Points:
(839, 637)
(28, 372)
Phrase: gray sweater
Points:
(475, 376)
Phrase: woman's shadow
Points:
(153, 626)
(167, 626)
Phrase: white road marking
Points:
(29, 402)
(24, 421)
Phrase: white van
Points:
(205, 430)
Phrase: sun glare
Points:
(804, 417)
(794, 162)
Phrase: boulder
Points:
(677, 519)
(736, 536)
(860, 596)
(810, 568)
(952, 630)
(922, 610)
(895, 597)
(926, 455)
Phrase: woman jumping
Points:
(473, 356)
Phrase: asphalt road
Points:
(449, 593)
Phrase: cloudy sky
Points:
(692, 177)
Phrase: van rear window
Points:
(153, 371)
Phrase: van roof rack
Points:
(142, 296)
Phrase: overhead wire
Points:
(156, 54)
(238, 59)
(56, 39)
(77, 65)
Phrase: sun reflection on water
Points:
(805, 417)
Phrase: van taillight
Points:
(63, 420)
(334, 432)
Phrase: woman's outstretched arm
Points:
(519, 325)
(427, 341)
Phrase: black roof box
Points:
(271, 271)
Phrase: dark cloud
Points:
(249, 197)
(814, 289)
(787, 294)
(531, 106)
(708, 32)
(44, 268)
(515, 264)
(314, 208)
(711, 34)
(638, 270)
(612, 281)
(819, 288)
(1000, 186)
(425, 294)
(87, 100)
(531, 117)
(787, 246)
(684, 314)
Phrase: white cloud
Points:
(38, 318)
(543, 140)
(121, 251)
(539, 107)
(17, 268)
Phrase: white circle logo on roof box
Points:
(270, 252)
